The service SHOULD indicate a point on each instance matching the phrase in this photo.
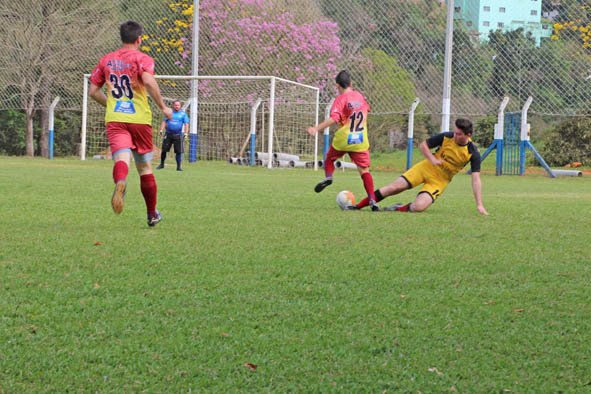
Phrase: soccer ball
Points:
(345, 199)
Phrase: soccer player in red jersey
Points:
(349, 111)
(129, 75)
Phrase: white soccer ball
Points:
(345, 199)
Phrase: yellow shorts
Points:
(434, 179)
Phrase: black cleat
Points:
(179, 169)
(374, 206)
(322, 184)
(161, 166)
(154, 219)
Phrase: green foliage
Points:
(568, 142)
(12, 132)
(484, 131)
(321, 300)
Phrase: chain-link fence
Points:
(393, 48)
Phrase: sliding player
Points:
(128, 74)
(454, 151)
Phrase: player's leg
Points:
(433, 187)
(398, 186)
(362, 160)
(331, 156)
(422, 202)
(178, 151)
(166, 143)
(120, 142)
(142, 135)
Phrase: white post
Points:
(449, 37)
(84, 118)
(316, 136)
(411, 132)
(51, 123)
(253, 129)
(271, 122)
(500, 126)
(195, 84)
(524, 135)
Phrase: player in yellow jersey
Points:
(454, 150)
(129, 76)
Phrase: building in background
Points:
(483, 16)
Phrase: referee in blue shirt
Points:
(177, 128)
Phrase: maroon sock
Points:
(368, 185)
(150, 191)
(404, 208)
(328, 168)
(120, 171)
(363, 203)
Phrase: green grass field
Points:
(251, 266)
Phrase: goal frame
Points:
(271, 124)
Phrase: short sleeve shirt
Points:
(350, 112)
(454, 156)
(175, 125)
(127, 98)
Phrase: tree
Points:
(246, 37)
(46, 48)
(574, 23)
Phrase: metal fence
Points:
(393, 48)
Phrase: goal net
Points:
(236, 115)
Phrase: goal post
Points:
(225, 116)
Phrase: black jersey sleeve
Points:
(437, 140)
(474, 158)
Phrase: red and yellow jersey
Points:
(127, 98)
(350, 112)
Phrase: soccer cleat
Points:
(393, 207)
(322, 184)
(154, 219)
(179, 169)
(350, 208)
(161, 166)
(118, 197)
(374, 206)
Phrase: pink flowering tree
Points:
(250, 37)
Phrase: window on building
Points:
(457, 9)
(545, 27)
(486, 8)
(469, 23)
(500, 25)
(502, 9)
(486, 23)
(534, 12)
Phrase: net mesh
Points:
(225, 115)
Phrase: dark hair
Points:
(130, 31)
(343, 79)
(465, 125)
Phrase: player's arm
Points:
(162, 126)
(154, 91)
(477, 190)
(321, 126)
(96, 93)
(426, 151)
(186, 130)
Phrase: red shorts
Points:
(137, 137)
(359, 158)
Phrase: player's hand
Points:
(482, 210)
(436, 161)
(312, 131)
(167, 111)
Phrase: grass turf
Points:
(251, 266)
